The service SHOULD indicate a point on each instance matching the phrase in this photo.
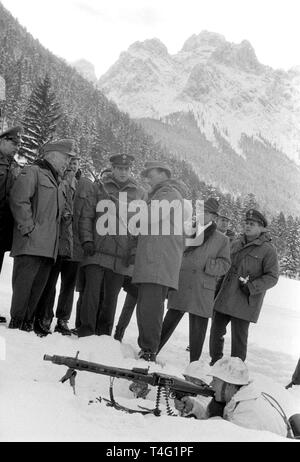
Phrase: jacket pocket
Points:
(45, 182)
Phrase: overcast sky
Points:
(99, 30)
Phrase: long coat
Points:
(201, 266)
(7, 177)
(36, 202)
(112, 251)
(84, 189)
(158, 257)
(258, 259)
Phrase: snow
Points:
(36, 407)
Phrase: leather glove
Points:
(244, 288)
(88, 249)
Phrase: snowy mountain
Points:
(228, 96)
(86, 69)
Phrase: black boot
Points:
(2, 319)
(27, 326)
(147, 356)
(40, 329)
(15, 323)
(62, 327)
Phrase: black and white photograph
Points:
(150, 223)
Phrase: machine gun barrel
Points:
(177, 387)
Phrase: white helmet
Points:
(231, 370)
(198, 370)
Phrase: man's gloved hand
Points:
(184, 405)
(88, 249)
(244, 288)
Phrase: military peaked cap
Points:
(124, 160)
(65, 146)
(255, 215)
(223, 214)
(211, 205)
(153, 164)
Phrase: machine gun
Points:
(171, 386)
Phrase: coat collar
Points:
(130, 184)
(202, 237)
(247, 392)
(169, 183)
(48, 170)
(243, 244)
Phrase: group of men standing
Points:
(49, 221)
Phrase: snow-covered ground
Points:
(34, 406)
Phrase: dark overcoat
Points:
(7, 177)
(258, 260)
(111, 251)
(37, 202)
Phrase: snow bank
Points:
(35, 406)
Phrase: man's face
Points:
(59, 161)
(121, 173)
(222, 224)
(74, 165)
(9, 147)
(252, 228)
(155, 177)
(208, 217)
(223, 391)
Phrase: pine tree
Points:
(40, 119)
(278, 230)
(290, 262)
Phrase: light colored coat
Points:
(37, 202)
(158, 257)
(200, 269)
(248, 408)
(258, 259)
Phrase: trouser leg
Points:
(112, 286)
(44, 309)
(80, 283)
(150, 311)
(78, 308)
(170, 322)
(296, 375)
(126, 315)
(30, 274)
(1, 260)
(90, 300)
(68, 273)
(217, 333)
(198, 328)
(239, 337)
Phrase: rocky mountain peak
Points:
(240, 55)
(205, 38)
(151, 46)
